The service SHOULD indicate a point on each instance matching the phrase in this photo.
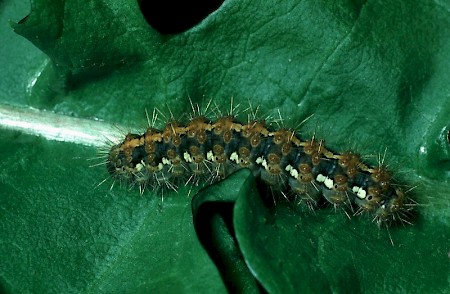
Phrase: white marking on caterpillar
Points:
(293, 172)
(210, 155)
(360, 192)
(234, 157)
(187, 157)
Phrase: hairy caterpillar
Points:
(204, 150)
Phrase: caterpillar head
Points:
(124, 160)
(392, 209)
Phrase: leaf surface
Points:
(374, 74)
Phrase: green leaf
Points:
(62, 234)
(374, 74)
(212, 209)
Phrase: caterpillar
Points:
(205, 150)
